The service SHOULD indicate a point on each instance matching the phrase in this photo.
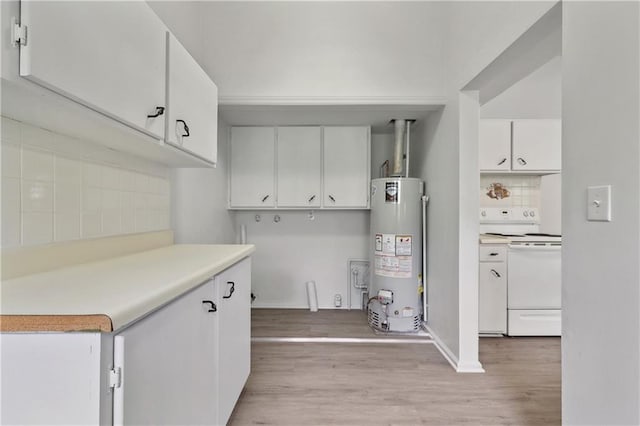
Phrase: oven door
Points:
(534, 277)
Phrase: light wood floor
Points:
(408, 384)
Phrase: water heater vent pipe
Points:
(398, 147)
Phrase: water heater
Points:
(396, 254)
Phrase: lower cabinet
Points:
(492, 290)
(234, 335)
(185, 363)
(169, 363)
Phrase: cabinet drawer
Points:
(523, 322)
(493, 253)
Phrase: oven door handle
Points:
(522, 247)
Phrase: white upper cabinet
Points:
(192, 104)
(308, 166)
(346, 167)
(108, 56)
(299, 171)
(495, 144)
(251, 182)
(526, 146)
(537, 145)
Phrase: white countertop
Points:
(122, 288)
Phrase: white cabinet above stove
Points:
(520, 146)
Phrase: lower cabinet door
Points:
(492, 298)
(169, 364)
(234, 332)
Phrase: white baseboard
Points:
(447, 353)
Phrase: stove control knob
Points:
(483, 213)
(532, 213)
(525, 213)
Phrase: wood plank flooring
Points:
(404, 384)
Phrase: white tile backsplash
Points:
(37, 196)
(110, 199)
(10, 160)
(92, 199)
(37, 228)
(51, 195)
(524, 191)
(91, 224)
(67, 225)
(10, 212)
(67, 197)
(68, 171)
(111, 222)
(92, 175)
(111, 178)
(37, 165)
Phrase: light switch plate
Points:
(599, 203)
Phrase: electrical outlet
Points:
(338, 300)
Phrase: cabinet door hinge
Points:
(18, 33)
(115, 377)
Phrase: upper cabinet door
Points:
(346, 167)
(299, 172)
(108, 56)
(192, 103)
(537, 145)
(252, 167)
(494, 150)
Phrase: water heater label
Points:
(386, 244)
(403, 245)
(393, 266)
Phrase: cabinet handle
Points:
(265, 198)
(332, 199)
(522, 161)
(186, 128)
(212, 306)
(502, 162)
(493, 254)
(231, 290)
(159, 112)
(495, 273)
(313, 197)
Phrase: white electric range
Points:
(533, 270)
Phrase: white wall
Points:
(52, 193)
(296, 250)
(477, 32)
(199, 207)
(324, 49)
(185, 20)
(538, 95)
(601, 276)
(551, 204)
